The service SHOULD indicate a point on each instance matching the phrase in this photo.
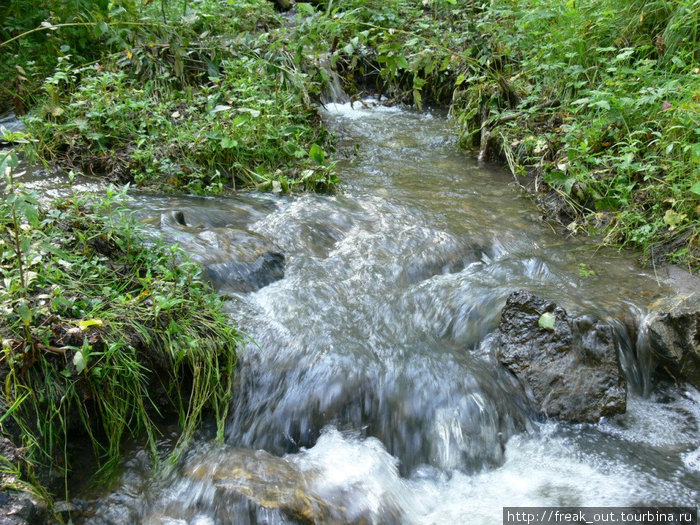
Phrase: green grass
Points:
(214, 101)
(605, 112)
(102, 334)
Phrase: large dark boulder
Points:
(569, 367)
(673, 328)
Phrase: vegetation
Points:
(193, 96)
(102, 335)
(592, 104)
(599, 100)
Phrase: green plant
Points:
(605, 113)
(102, 333)
(190, 108)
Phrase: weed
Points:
(101, 332)
(190, 107)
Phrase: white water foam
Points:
(542, 469)
(669, 424)
(363, 109)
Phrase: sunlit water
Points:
(372, 372)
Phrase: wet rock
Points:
(9, 450)
(234, 259)
(11, 123)
(179, 217)
(674, 335)
(569, 367)
(21, 508)
(244, 276)
(268, 481)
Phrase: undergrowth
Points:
(604, 112)
(102, 335)
(204, 98)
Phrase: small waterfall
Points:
(644, 353)
(333, 92)
(634, 349)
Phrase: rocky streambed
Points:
(423, 349)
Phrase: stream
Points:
(368, 391)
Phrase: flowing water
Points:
(371, 382)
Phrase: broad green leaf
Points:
(25, 313)
(87, 323)
(695, 188)
(27, 206)
(228, 143)
(546, 321)
(316, 153)
(305, 9)
(241, 119)
(560, 178)
(678, 62)
(79, 361)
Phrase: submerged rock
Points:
(674, 335)
(233, 257)
(268, 481)
(247, 276)
(569, 367)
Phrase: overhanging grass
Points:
(102, 334)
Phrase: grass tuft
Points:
(102, 334)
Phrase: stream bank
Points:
(104, 337)
(403, 70)
(592, 105)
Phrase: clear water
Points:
(371, 382)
